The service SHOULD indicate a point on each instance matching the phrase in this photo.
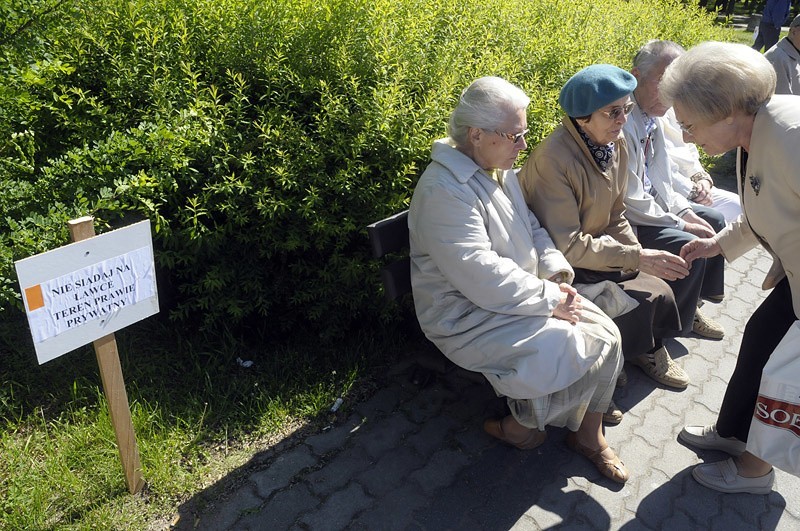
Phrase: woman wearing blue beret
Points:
(575, 181)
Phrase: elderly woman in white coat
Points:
(493, 293)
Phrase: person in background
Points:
(699, 186)
(689, 179)
(772, 18)
(723, 98)
(662, 218)
(493, 293)
(575, 181)
(785, 58)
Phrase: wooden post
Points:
(107, 354)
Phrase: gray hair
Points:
(715, 79)
(654, 53)
(485, 104)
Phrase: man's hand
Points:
(663, 264)
(703, 196)
(697, 225)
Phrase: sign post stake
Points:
(107, 354)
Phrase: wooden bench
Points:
(389, 238)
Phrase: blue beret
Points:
(594, 87)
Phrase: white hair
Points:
(654, 53)
(715, 79)
(485, 104)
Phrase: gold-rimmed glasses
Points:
(514, 137)
(616, 112)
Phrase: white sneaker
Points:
(706, 437)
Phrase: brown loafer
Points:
(533, 439)
(612, 468)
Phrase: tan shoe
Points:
(609, 466)
(529, 441)
(661, 368)
(613, 415)
(706, 327)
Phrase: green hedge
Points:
(261, 136)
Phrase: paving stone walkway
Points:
(415, 457)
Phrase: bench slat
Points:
(389, 235)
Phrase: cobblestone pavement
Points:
(415, 457)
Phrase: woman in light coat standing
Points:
(493, 293)
(723, 98)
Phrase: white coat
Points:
(478, 260)
(664, 206)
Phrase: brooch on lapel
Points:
(755, 183)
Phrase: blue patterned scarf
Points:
(602, 155)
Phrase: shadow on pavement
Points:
(682, 503)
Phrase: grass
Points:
(198, 414)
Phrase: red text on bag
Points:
(777, 413)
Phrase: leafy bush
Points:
(261, 137)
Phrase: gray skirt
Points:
(655, 318)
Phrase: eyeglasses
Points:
(686, 128)
(616, 112)
(514, 137)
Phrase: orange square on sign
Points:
(34, 297)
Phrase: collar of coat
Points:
(619, 144)
(460, 165)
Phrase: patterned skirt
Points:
(591, 392)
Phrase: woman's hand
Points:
(700, 248)
(569, 309)
(663, 264)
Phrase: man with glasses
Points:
(663, 218)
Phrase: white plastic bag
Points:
(775, 429)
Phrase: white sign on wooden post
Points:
(84, 292)
(88, 289)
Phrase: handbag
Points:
(775, 428)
